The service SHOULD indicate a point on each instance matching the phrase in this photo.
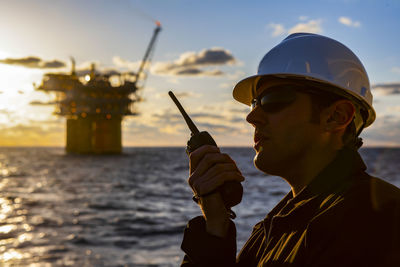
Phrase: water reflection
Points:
(5, 229)
(63, 210)
(9, 256)
(14, 229)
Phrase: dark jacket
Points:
(344, 217)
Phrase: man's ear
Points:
(338, 115)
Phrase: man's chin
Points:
(260, 159)
(264, 162)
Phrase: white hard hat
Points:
(314, 58)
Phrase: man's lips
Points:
(258, 137)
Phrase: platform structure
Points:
(94, 106)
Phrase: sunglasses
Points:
(278, 98)
(274, 100)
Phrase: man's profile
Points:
(310, 100)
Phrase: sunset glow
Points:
(201, 53)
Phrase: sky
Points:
(204, 49)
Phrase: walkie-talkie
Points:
(231, 191)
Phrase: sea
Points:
(122, 210)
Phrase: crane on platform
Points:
(149, 52)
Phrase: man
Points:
(310, 100)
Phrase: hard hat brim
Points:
(245, 90)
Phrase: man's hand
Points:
(209, 169)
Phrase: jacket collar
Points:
(336, 174)
(346, 163)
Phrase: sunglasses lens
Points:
(274, 101)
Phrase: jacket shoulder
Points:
(375, 192)
(362, 224)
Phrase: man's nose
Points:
(256, 116)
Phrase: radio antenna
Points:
(188, 120)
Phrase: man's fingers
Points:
(196, 156)
(199, 176)
(210, 166)
(205, 186)
(212, 184)
(209, 160)
(219, 168)
(209, 169)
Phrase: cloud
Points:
(394, 109)
(387, 88)
(203, 120)
(167, 116)
(384, 131)
(277, 29)
(5, 112)
(122, 63)
(349, 22)
(227, 85)
(213, 56)
(193, 64)
(211, 120)
(178, 95)
(86, 69)
(240, 111)
(207, 116)
(197, 72)
(236, 75)
(167, 122)
(170, 129)
(396, 70)
(6, 117)
(217, 128)
(34, 62)
(312, 26)
(227, 122)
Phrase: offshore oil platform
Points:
(94, 107)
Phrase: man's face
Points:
(283, 135)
